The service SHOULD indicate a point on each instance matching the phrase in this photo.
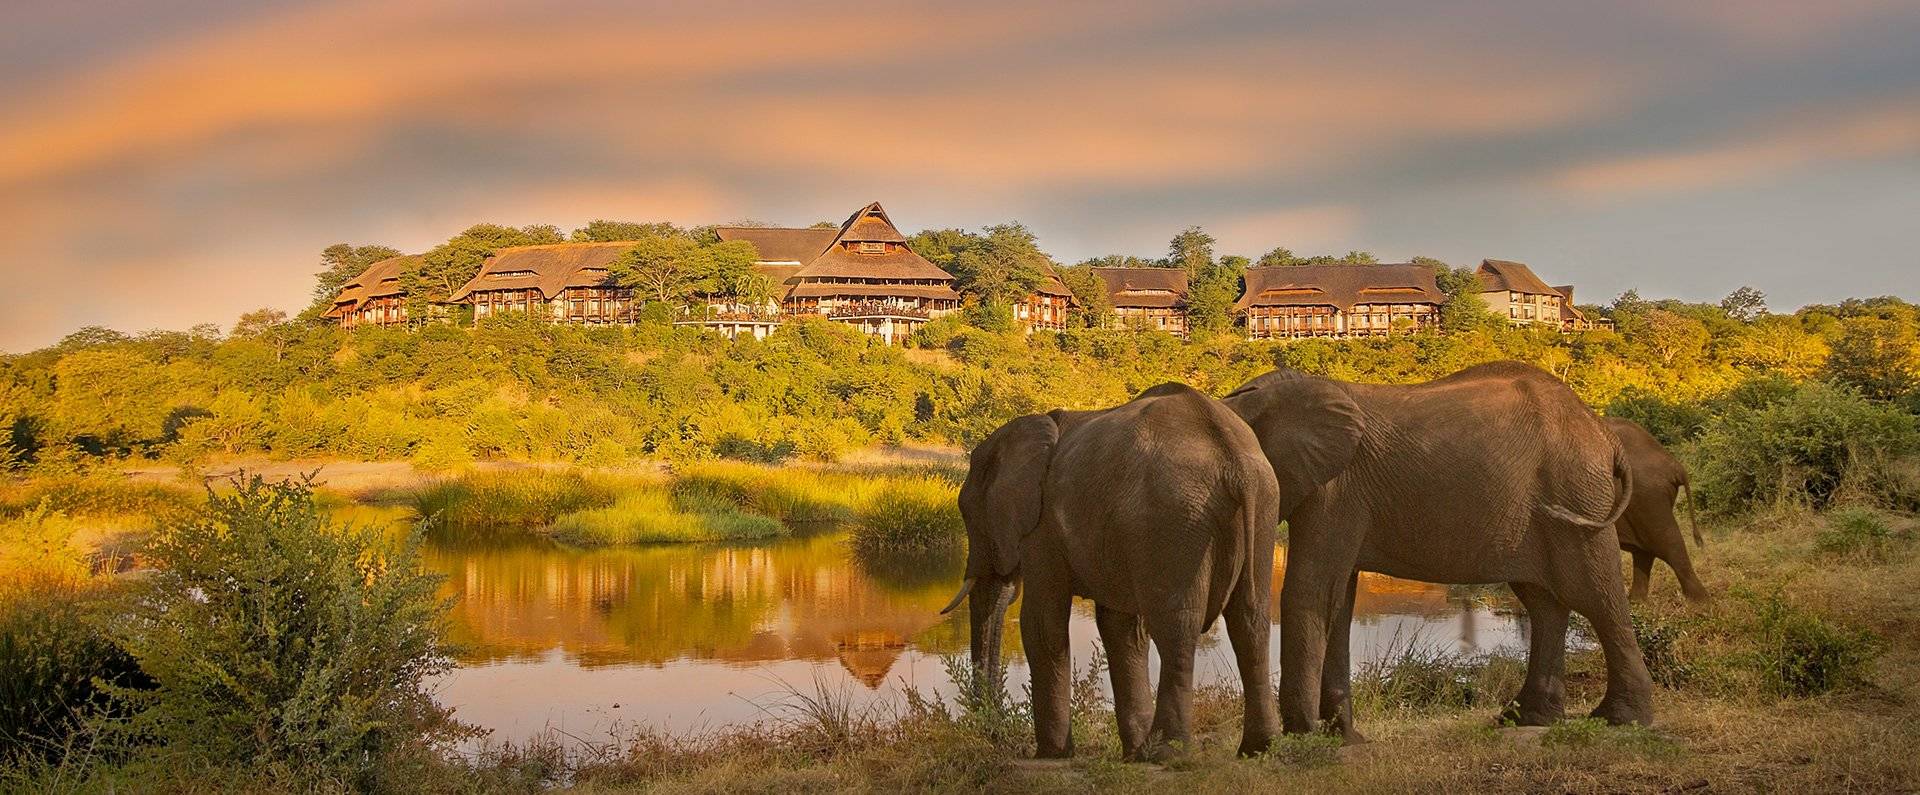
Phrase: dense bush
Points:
(519, 388)
(278, 641)
(1799, 653)
(1809, 445)
(54, 655)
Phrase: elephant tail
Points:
(1692, 520)
(1622, 495)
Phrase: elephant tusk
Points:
(965, 588)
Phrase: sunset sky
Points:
(166, 164)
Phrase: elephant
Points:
(1648, 530)
(1497, 473)
(1163, 512)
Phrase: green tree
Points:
(457, 261)
(601, 230)
(339, 263)
(1096, 304)
(941, 246)
(1877, 355)
(1192, 250)
(1744, 304)
(1278, 257)
(1003, 265)
(671, 268)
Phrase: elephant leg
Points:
(1176, 635)
(1642, 573)
(1598, 596)
(1321, 559)
(1044, 612)
(1250, 628)
(1542, 698)
(1673, 550)
(1336, 678)
(1125, 638)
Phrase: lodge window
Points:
(872, 248)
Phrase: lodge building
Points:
(375, 297)
(861, 274)
(1152, 299)
(1339, 300)
(567, 282)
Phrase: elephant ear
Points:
(1308, 428)
(1001, 499)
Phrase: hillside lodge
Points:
(863, 274)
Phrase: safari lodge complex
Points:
(865, 275)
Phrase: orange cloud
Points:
(1884, 131)
(1305, 230)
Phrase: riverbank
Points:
(1802, 675)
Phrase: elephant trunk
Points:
(987, 610)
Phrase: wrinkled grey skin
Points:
(1163, 512)
(1648, 529)
(1497, 473)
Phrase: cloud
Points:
(1305, 230)
(1861, 134)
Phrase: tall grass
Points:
(654, 514)
(910, 514)
(523, 499)
(1414, 676)
(789, 494)
(95, 496)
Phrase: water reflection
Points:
(694, 636)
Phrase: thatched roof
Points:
(792, 246)
(1340, 286)
(833, 253)
(549, 268)
(1053, 286)
(1144, 288)
(379, 280)
(1498, 275)
(871, 225)
(823, 290)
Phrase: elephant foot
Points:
(1521, 714)
(1620, 713)
(1255, 746)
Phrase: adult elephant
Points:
(1648, 529)
(1163, 512)
(1497, 473)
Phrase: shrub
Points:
(281, 642)
(1413, 676)
(1584, 733)
(910, 515)
(1860, 534)
(53, 650)
(1799, 653)
(1659, 638)
(1806, 448)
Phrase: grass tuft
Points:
(910, 514)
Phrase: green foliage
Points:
(55, 656)
(1859, 534)
(339, 263)
(1411, 676)
(910, 515)
(1806, 446)
(455, 262)
(1313, 749)
(1799, 653)
(672, 268)
(1589, 733)
(1661, 639)
(485, 501)
(277, 640)
(653, 514)
(1670, 421)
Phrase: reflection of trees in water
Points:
(801, 598)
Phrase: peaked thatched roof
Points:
(794, 246)
(1340, 286)
(1144, 288)
(870, 224)
(379, 280)
(549, 268)
(1503, 275)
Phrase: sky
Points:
(166, 164)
